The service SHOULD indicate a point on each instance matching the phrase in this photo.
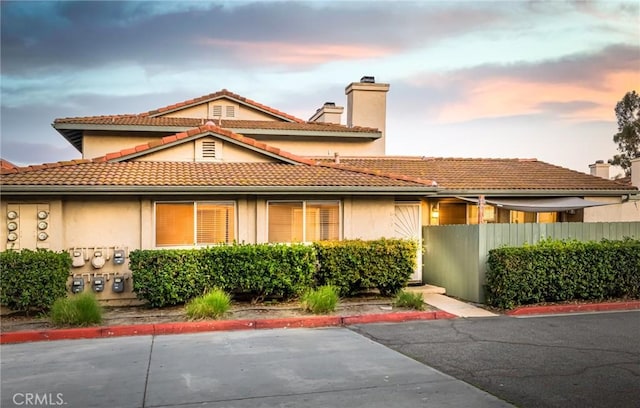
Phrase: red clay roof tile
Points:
(217, 95)
(189, 174)
(162, 121)
(482, 174)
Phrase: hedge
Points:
(553, 271)
(33, 280)
(171, 277)
(354, 266)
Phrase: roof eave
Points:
(215, 190)
(445, 192)
(305, 133)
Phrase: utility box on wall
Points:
(27, 226)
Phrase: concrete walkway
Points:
(434, 296)
(310, 368)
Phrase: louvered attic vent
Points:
(217, 111)
(208, 149)
(230, 111)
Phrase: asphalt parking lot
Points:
(578, 360)
(332, 367)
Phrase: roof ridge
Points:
(222, 92)
(43, 166)
(373, 172)
(207, 127)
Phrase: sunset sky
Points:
(468, 79)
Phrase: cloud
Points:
(295, 54)
(44, 38)
(575, 87)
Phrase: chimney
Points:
(635, 172)
(600, 169)
(328, 113)
(367, 107)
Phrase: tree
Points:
(628, 136)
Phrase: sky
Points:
(510, 79)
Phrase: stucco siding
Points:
(368, 217)
(618, 211)
(96, 145)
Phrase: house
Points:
(222, 168)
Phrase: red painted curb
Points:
(130, 330)
(585, 307)
(202, 326)
(216, 325)
(388, 317)
(299, 322)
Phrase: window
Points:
(194, 223)
(303, 221)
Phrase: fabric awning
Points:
(539, 204)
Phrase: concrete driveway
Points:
(332, 367)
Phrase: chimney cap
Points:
(599, 161)
(329, 104)
(368, 80)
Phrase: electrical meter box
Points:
(118, 284)
(77, 285)
(98, 284)
(118, 256)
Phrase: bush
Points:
(354, 266)
(210, 305)
(321, 300)
(79, 310)
(552, 271)
(167, 277)
(409, 300)
(170, 277)
(33, 279)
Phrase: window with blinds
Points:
(194, 223)
(304, 221)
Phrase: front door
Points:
(408, 225)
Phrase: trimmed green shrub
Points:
(212, 305)
(79, 310)
(409, 300)
(171, 277)
(354, 266)
(321, 300)
(259, 270)
(33, 280)
(167, 277)
(552, 271)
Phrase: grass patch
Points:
(79, 310)
(409, 300)
(212, 305)
(321, 300)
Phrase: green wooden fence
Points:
(455, 256)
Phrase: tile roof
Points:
(206, 129)
(293, 171)
(461, 174)
(163, 121)
(7, 165)
(189, 174)
(217, 95)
